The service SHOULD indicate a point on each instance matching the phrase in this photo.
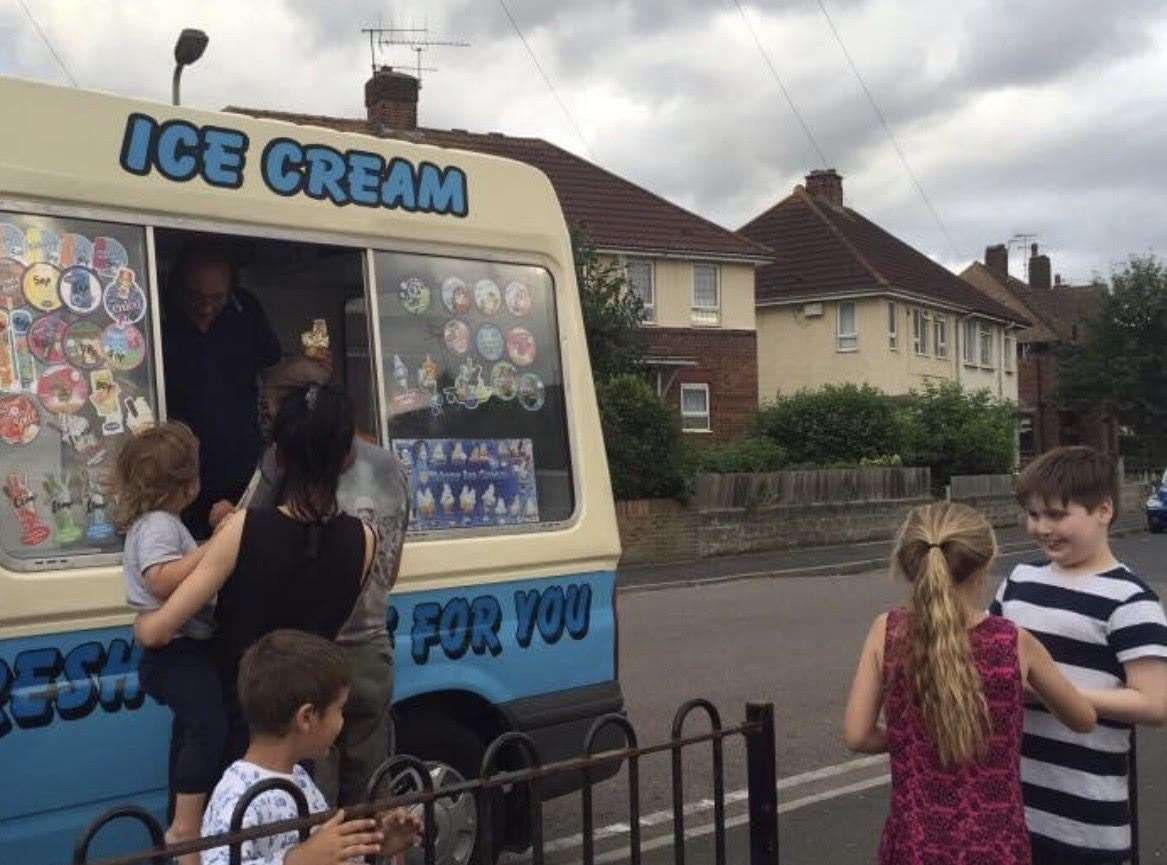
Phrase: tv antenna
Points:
(416, 39)
(1022, 241)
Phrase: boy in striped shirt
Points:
(1107, 631)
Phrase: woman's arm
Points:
(158, 627)
(371, 542)
(861, 730)
(1067, 703)
(1142, 701)
(163, 579)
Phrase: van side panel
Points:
(78, 735)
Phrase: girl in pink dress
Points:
(950, 680)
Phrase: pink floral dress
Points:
(967, 814)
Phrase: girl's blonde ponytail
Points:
(939, 547)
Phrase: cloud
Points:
(1040, 116)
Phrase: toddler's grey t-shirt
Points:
(155, 538)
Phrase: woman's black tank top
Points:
(277, 583)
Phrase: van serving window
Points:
(76, 377)
(474, 386)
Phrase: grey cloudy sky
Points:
(1044, 117)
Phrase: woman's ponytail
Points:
(941, 546)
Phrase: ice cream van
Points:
(444, 282)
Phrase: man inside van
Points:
(216, 340)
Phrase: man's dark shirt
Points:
(212, 385)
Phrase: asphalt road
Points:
(792, 642)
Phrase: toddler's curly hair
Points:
(156, 470)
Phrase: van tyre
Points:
(454, 753)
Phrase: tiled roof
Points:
(617, 214)
(1054, 311)
(822, 249)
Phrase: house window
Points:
(893, 326)
(640, 281)
(706, 295)
(1026, 442)
(940, 331)
(986, 338)
(695, 408)
(846, 333)
(921, 322)
(969, 349)
(1010, 352)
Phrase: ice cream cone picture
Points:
(139, 415)
(11, 281)
(105, 395)
(316, 341)
(99, 528)
(33, 530)
(20, 321)
(467, 500)
(447, 500)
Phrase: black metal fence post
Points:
(253, 793)
(485, 805)
(762, 768)
(679, 785)
(130, 812)
(614, 720)
(392, 767)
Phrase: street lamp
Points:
(190, 47)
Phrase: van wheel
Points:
(453, 753)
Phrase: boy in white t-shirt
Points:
(292, 689)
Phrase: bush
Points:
(833, 424)
(959, 433)
(642, 438)
(754, 454)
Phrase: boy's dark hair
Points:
(285, 670)
(1071, 475)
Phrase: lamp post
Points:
(190, 47)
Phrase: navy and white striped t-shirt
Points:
(1075, 784)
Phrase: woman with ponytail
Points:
(950, 679)
(300, 565)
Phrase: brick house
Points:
(695, 277)
(845, 301)
(1059, 314)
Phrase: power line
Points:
(49, 45)
(547, 80)
(778, 79)
(891, 135)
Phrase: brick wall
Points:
(656, 530)
(727, 361)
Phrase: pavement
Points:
(792, 642)
(852, 558)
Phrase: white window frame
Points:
(649, 300)
(846, 341)
(984, 329)
(1009, 354)
(921, 325)
(700, 314)
(707, 414)
(940, 334)
(969, 348)
(893, 325)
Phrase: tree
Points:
(612, 314)
(1119, 365)
(956, 432)
(837, 423)
(642, 438)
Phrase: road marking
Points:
(732, 822)
(732, 798)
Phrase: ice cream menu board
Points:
(75, 378)
(457, 483)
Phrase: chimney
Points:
(391, 99)
(1038, 269)
(826, 183)
(997, 261)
